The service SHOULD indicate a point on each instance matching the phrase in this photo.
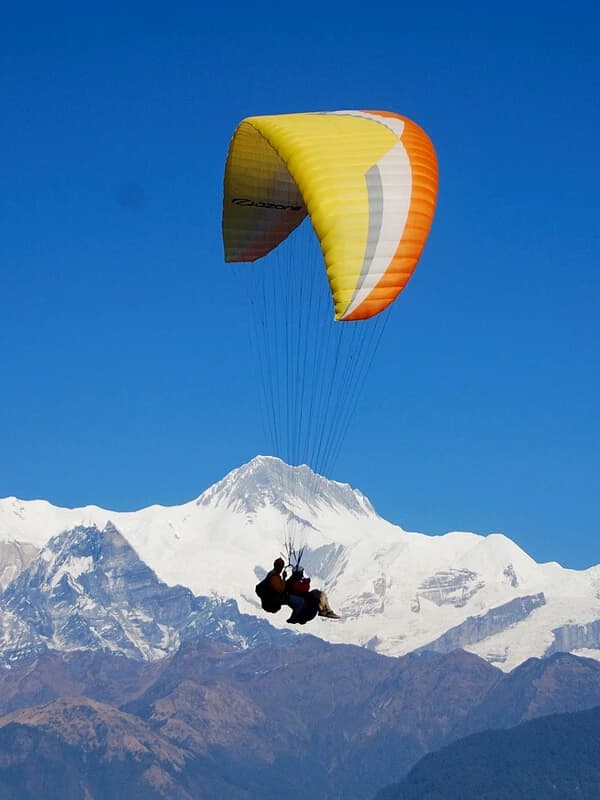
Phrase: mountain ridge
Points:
(347, 720)
(396, 590)
(549, 757)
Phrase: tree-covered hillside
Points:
(552, 757)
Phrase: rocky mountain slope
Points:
(86, 749)
(88, 589)
(14, 558)
(397, 591)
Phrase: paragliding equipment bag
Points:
(270, 600)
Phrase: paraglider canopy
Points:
(367, 180)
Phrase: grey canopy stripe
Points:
(375, 193)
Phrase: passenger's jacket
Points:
(297, 585)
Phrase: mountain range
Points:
(213, 720)
(397, 591)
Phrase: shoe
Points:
(331, 615)
(292, 620)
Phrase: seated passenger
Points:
(304, 602)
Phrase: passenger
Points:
(304, 602)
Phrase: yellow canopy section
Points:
(368, 181)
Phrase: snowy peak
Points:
(80, 558)
(269, 481)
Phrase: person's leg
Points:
(324, 606)
(295, 602)
(325, 609)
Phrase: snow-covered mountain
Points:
(88, 589)
(397, 591)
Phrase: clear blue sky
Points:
(124, 373)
